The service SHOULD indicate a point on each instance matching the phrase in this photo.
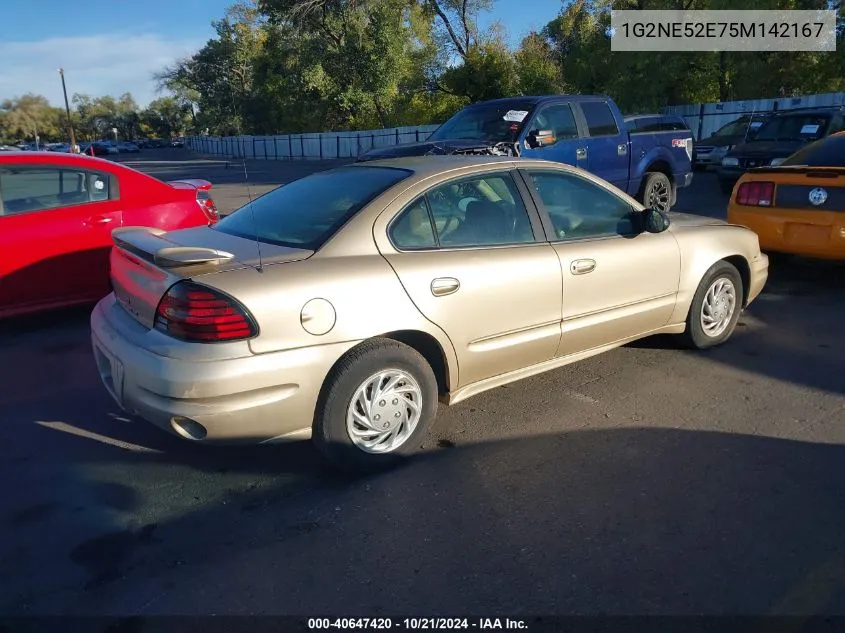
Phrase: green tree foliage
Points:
(29, 116)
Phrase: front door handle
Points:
(582, 266)
(581, 152)
(444, 286)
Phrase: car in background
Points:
(159, 143)
(255, 330)
(94, 149)
(777, 139)
(798, 207)
(57, 147)
(128, 147)
(580, 130)
(8, 148)
(57, 212)
(710, 151)
(177, 142)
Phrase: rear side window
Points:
(829, 152)
(599, 118)
(25, 189)
(307, 212)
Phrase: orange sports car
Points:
(797, 207)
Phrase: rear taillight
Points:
(756, 194)
(207, 205)
(191, 312)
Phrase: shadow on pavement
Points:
(625, 521)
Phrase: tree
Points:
(30, 116)
(166, 117)
(537, 69)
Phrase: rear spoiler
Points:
(151, 245)
(190, 183)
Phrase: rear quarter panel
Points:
(150, 202)
(357, 297)
(652, 148)
(703, 246)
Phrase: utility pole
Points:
(67, 109)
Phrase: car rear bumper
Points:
(819, 235)
(247, 398)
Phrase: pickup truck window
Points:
(493, 123)
(559, 119)
(600, 120)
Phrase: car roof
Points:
(40, 157)
(810, 111)
(535, 99)
(424, 166)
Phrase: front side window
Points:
(559, 119)
(484, 210)
(307, 212)
(26, 189)
(600, 119)
(580, 209)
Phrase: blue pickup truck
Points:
(585, 131)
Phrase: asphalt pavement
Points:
(648, 480)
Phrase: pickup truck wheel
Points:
(379, 402)
(657, 191)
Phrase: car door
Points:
(618, 281)
(606, 145)
(473, 258)
(567, 145)
(55, 234)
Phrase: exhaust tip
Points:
(188, 428)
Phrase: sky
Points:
(115, 46)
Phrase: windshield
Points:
(829, 152)
(307, 212)
(735, 128)
(806, 127)
(494, 123)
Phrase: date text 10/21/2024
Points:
(415, 624)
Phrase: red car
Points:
(57, 212)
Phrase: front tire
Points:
(716, 307)
(378, 404)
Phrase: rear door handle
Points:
(581, 152)
(582, 266)
(99, 220)
(444, 286)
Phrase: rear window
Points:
(307, 212)
(829, 152)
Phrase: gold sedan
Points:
(343, 306)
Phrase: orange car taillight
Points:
(207, 205)
(756, 194)
(195, 313)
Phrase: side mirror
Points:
(655, 221)
(541, 138)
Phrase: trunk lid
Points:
(146, 262)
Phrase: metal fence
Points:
(705, 118)
(314, 146)
(702, 118)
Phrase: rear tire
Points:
(656, 191)
(377, 405)
(716, 307)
